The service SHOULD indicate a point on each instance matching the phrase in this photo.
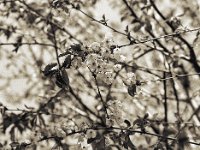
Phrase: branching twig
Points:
(27, 43)
(49, 21)
(55, 45)
(174, 34)
(193, 58)
(131, 131)
(165, 107)
(99, 93)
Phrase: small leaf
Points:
(14, 144)
(65, 77)
(132, 90)
(28, 107)
(127, 29)
(76, 47)
(67, 62)
(137, 27)
(137, 121)
(33, 121)
(127, 123)
(78, 6)
(123, 18)
(129, 143)
(18, 44)
(3, 109)
(146, 116)
(59, 84)
(129, 36)
(175, 22)
(90, 140)
(49, 67)
(148, 26)
(134, 21)
(112, 47)
(104, 18)
(104, 21)
(7, 33)
(62, 79)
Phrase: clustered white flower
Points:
(95, 46)
(105, 52)
(131, 78)
(104, 61)
(117, 67)
(108, 77)
(115, 112)
(99, 58)
(108, 40)
(117, 53)
(91, 133)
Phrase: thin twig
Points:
(193, 58)
(165, 107)
(121, 129)
(27, 43)
(101, 98)
(174, 34)
(49, 21)
(55, 45)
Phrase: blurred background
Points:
(31, 31)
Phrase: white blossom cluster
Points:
(102, 60)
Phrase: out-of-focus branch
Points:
(193, 58)
(176, 76)
(165, 108)
(131, 131)
(27, 43)
(49, 21)
(101, 98)
(173, 34)
(196, 112)
(53, 30)
(86, 108)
